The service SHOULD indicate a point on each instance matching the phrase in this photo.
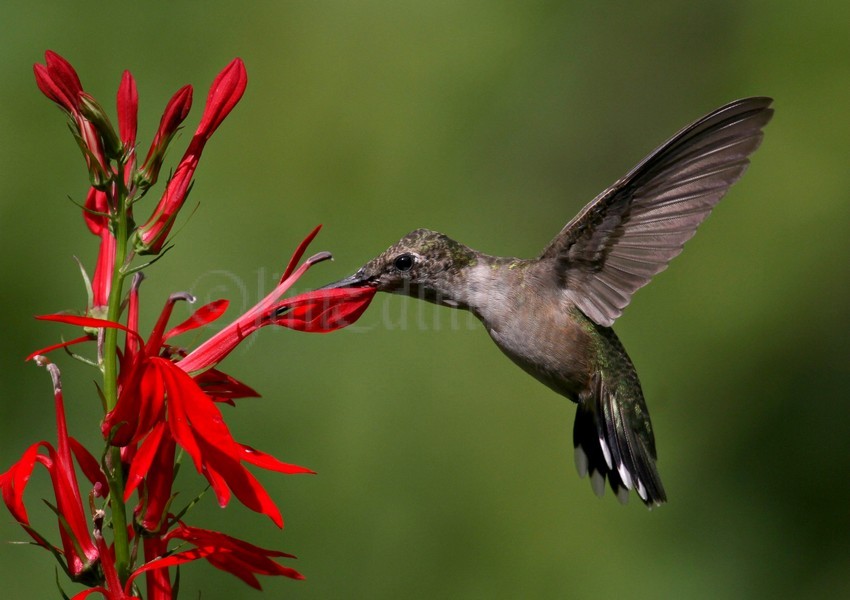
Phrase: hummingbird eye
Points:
(403, 262)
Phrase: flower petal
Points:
(73, 525)
(102, 282)
(58, 81)
(99, 590)
(244, 485)
(128, 110)
(159, 482)
(221, 386)
(86, 322)
(141, 405)
(203, 316)
(157, 580)
(225, 92)
(96, 209)
(267, 461)
(322, 311)
(196, 424)
(49, 88)
(299, 252)
(63, 75)
(90, 467)
(192, 414)
(235, 556)
(14, 481)
(143, 459)
(169, 561)
(53, 347)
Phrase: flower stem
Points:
(113, 468)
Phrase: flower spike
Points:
(156, 397)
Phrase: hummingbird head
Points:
(423, 264)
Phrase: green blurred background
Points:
(444, 471)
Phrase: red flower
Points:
(318, 311)
(103, 271)
(58, 80)
(175, 112)
(127, 105)
(225, 92)
(156, 396)
(78, 549)
(227, 553)
(235, 556)
(152, 468)
(96, 212)
(160, 403)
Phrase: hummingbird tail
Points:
(613, 440)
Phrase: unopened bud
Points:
(175, 112)
(93, 112)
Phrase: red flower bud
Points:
(152, 235)
(175, 112)
(96, 211)
(127, 105)
(63, 74)
(225, 92)
(60, 83)
(102, 281)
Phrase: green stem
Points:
(114, 472)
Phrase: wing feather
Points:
(632, 230)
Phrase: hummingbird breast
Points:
(545, 335)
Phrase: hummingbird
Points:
(552, 315)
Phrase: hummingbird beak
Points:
(352, 281)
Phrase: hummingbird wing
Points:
(634, 228)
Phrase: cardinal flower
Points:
(79, 553)
(160, 401)
(167, 398)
